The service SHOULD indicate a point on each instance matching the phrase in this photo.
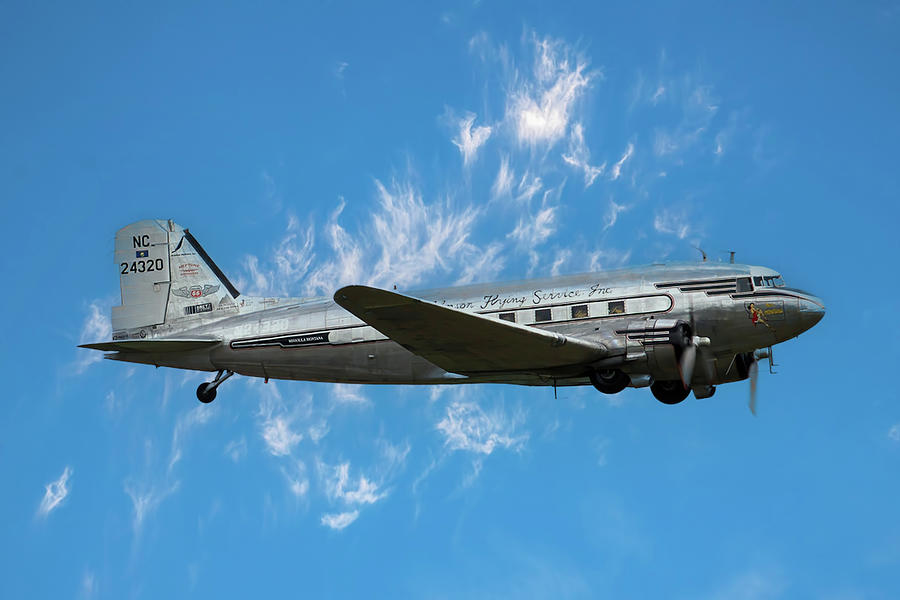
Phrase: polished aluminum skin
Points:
(178, 310)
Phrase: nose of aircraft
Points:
(812, 310)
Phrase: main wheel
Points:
(205, 394)
(609, 381)
(669, 392)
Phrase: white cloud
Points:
(612, 215)
(698, 107)
(894, 433)
(540, 107)
(658, 94)
(671, 223)
(339, 521)
(278, 435)
(337, 486)
(562, 257)
(503, 183)
(346, 264)
(95, 328)
(55, 492)
(340, 68)
(292, 258)
(194, 417)
(297, 481)
(348, 393)
(236, 449)
(146, 500)
(484, 266)
(470, 139)
(409, 237)
(529, 185)
(617, 168)
(533, 230)
(466, 426)
(608, 259)
(276, 424)
(579, 156)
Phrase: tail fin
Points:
(168, 281)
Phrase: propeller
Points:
(689, 358)
(753, 373)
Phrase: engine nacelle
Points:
(659, 342)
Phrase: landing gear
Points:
(609, 381)
(206, 392)
(669, 392)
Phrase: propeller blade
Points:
(688, 359)
(754, 375)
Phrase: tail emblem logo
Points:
(196, 291)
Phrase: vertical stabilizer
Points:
(168, 281)
(142, 256)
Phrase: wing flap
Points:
(463, 342)
(170, 345)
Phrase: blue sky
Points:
(423, 145)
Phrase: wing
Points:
(171, 345)
(463, 342)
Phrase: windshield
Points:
(769, 281)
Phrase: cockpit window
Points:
(743, 284)
(773, 281)
(757, 281)
(778, 281)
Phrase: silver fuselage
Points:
(317, 340)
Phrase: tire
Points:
(609, 381)
(204, 394)
(669, 392)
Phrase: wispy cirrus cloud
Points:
(291, 261)
(672, 223)
(612, 213)
(466, 426)
(504, 181)
(617, 168)
(276, 423)
(236, 450)
(894, 433)
(540, 106)
(410, 237)
(145, 499)
(55, 493)
(339, 521)
(199, 415)
(578, 156)
(470, 138)
(96, 327)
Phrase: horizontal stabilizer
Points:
(170, 345)
(463, 342)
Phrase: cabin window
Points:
(617, 308)
(510, 316)
(541, 315)
(580, 311)
(743, 284)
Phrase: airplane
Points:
(675, 328)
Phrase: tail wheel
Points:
(205, 394)
(609, 381)
(669, 392)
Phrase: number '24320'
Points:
(141, 266)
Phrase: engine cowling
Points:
(660, 343)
